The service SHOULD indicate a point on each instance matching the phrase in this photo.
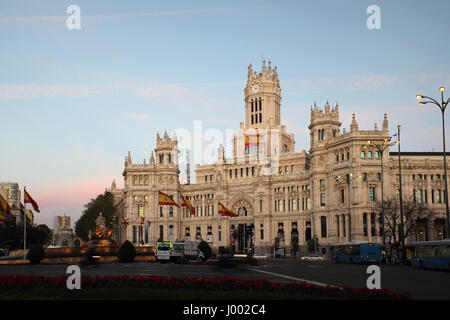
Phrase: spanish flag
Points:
(252, 140)
(185, 203)
(4, 206)
(224, 211)
(124, 222)
(165, 199)
(142, 220)
(29, 199)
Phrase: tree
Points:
(413, 212)
(127, 252)
(294, 245)
(276, 243)
(105, 204)
(312, 244)
(11, 235)
(40, 235)
(205, 248)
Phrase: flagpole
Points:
(24, 224)
(156, 216)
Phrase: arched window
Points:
(369, 154)
(285, 148)
(363, 154)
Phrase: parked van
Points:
(178, 251)
(163, 251)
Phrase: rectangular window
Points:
(141, 211)
(322, 199)
(342, 196)
(372, 194)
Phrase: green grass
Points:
(141, 294)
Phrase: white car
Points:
(312, 257)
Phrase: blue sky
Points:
(74, 102)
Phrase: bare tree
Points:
(412, 213)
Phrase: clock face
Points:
(255, 88)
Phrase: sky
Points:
(73, 102)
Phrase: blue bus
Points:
(357, 253)
(431, 254)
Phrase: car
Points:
(312, 257)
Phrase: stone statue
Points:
(100, 222)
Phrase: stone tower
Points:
(324, 125)
(262, 96)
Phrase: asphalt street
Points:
(421, 284)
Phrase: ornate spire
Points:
(354, 125)
(385, 123)
(129, 158)
(152, 159)
(327, 107)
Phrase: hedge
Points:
(202, 283)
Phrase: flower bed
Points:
(201, 283)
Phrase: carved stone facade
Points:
(279, 193)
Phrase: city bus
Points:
(431, 254)
(357, 253)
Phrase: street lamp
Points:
(441, 106)
(348, 179)
(380, 149)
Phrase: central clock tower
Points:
(262, 132)
(262, 98)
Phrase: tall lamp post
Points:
(348, 179)
(402, 228)
(380, 149)
(441, 106)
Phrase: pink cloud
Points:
(70, 193)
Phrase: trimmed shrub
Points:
(36, 254)
(205, 248)
(127, 252)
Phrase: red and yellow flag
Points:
(185, 203)
(142, 220)
(166, 200)
(252, 139)
(124, 222)
(29, 199)
(2, 218)
(224, 211)
(4, 206)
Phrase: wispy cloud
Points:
(38, 91)
(139, 116)
(352, 83)
(96, 17)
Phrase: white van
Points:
(163, 251)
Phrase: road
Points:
(421, 284)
